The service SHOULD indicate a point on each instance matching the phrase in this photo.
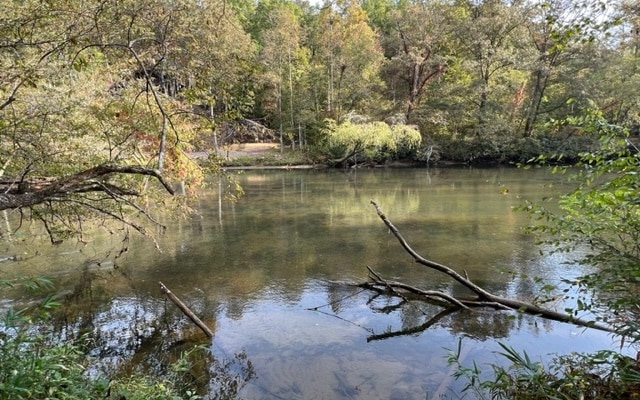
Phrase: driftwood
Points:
(186, 310)
(483, 298)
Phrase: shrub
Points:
(599, 376)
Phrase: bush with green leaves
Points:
(31, 367)
(369, 141)
(599, 376)
(601, 218)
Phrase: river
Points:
(268, 273)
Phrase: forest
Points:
(465, 81)
(103, 102)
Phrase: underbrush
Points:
(598, 376)
(36, 364)
(512, 149)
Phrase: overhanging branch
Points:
(21, 193)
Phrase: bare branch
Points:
(186, 310)
(486, 298)
(413, 330)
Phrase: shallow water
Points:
(268, 274)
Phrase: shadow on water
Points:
(264, 274)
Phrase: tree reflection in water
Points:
(253, 273)
(145, 334)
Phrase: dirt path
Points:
(242, 150)
(249, 149)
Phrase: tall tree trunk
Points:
(163, 142)
(540, 81)
(216, 146)
(419, 72)
(291, 114)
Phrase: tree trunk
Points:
(539, 86)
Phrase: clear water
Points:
(268, 274)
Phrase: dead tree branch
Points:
(484, 298)
(413, 330)
(377, 281)
(186, 310)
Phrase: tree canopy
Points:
(90, 105)
(102, 100)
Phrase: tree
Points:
(492, 37)
(559, 33)
(618, 76)
(217, 64)
(628, 13)
(359, 58)
(366, 141)
(89, 109)
(285, 64)
(346, 58)
(418, 50)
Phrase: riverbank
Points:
(255, 156)
(261, 156)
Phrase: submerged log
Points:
(483, 298)
(186, 310)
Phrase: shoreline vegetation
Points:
(100, 98)
(270, 156)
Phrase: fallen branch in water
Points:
(413, 330)
(434, 295)
(186, 310)
(483, 299)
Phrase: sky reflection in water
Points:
(263, 273)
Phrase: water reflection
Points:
(265, 274)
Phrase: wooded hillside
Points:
(135, 85)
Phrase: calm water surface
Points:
(267, 274)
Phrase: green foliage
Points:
(34, 368)
(504, 148)
(36, 364)
(32, 365)
(369, 141)
(175, 385)
(601, 375)
(601, 217)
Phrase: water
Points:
(269, 275)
